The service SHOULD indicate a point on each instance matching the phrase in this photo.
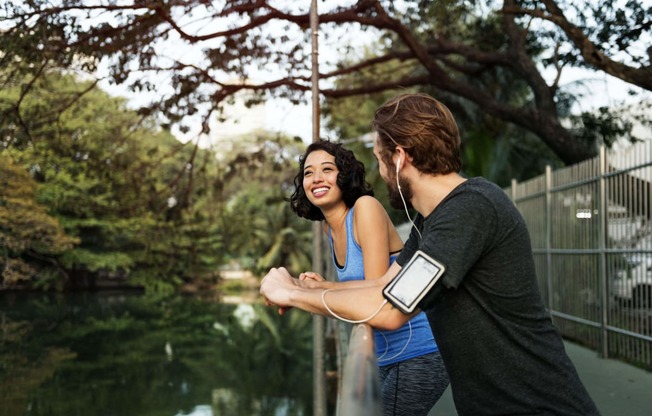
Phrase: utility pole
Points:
(318, 325)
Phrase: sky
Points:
(275, 116)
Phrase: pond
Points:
(130, 354)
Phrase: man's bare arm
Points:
(353, 301)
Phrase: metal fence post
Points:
(548, 215)
(602, 246)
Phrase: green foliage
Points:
(111, 261)
(608, 125)
(257, 218)
(125, 190)
(30, 238)
(142, 206)
(286, 239)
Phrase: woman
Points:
(331, 187)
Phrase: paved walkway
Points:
(618, 389)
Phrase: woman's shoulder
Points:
(369, 211)
(367, 202)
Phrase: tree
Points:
(485, 53)
(123, 188)
(492, 148)
(30, 238)
(141, 204)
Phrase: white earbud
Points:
(398, 166)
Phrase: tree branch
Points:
(589, 50)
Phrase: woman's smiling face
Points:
(320, 179)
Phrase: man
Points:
(501, 350)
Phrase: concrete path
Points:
(618, 389)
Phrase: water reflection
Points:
(121, 354)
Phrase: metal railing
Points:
(591, 232)
(359, 393)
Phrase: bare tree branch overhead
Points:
(192, 56)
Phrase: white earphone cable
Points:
(387, 345)
(323, 301)
(398, 185)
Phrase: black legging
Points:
(412, 387)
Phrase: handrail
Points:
(359, 394)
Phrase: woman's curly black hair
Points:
(350, 179)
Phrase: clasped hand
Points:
(278, 284)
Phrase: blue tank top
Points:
(391, 346)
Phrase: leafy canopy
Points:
(507, 59)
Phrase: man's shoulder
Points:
(481, 188)
(476, 201)
(480, 184)
(486, 200)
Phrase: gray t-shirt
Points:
(502, 352)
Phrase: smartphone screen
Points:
(413, 282)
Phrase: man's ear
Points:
(402, 155)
